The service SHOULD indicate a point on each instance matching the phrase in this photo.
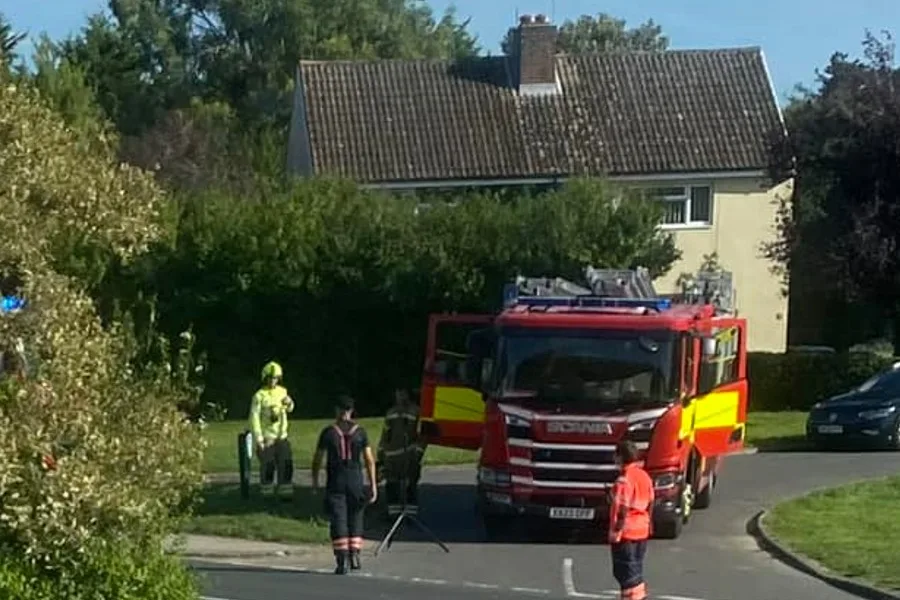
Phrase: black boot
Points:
(355, 563)
(341, 558)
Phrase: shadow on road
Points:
(448, 510)
(799, 443)
(796, 443)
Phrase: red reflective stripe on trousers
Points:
(340, 543)
(638, 592)
(356, 543)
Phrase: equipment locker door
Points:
(452, 414)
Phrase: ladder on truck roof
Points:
(621, 288)
(608, 288)
(710, 287)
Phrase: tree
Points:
(63, 85)
(148, 58)
(603, 33)
(844, 224)
(97, 464)
(9, 40)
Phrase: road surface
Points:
(714, 559)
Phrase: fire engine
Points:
(547, 388)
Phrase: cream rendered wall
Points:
(744, 212)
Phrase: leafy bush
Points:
(123, 572)
(796, 381)
(336, 283)
(97, 464)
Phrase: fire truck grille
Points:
(575, 475)
(585, 457)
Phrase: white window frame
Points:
(685, 198)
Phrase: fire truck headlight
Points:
(493, 477)
(665, 481)
(517, 421)
(642, 425)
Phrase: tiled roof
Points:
(623, 113)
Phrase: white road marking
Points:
(569, 582)
(484, 586)
(571, 592)
(419, 580)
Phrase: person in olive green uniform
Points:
(269, 425)
(400, 452)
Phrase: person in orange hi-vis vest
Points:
(631, 504)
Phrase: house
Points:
(693, 125)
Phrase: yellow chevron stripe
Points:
(712, 411)
(458, 404)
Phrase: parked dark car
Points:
(866, 416)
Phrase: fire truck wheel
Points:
(704, 498)
(668, 528)
(496, 527)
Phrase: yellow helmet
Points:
(272, 370)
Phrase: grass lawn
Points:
(851, 530)
(221, 454)
(225, 513)
(776, 430)
(765, 430)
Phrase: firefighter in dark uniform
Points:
(346, 445)
(400, 451)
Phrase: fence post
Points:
(245, 455)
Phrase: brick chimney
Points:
(534, 56)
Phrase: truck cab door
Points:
(452, 405)
(720, 409)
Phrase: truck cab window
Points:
(721, 367)
(598, 367)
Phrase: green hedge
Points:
(119, 571)
(336, 283)
(796, 381)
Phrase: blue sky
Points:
(798, 36)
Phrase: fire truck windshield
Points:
(603, 368)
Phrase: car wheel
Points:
(894, 442)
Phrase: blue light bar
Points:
(11, 304)
(511, 298)
(510, 295)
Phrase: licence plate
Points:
(581, 514)
(831, 429)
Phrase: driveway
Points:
(714, 559)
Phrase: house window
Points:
(689, 205)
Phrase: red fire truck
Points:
(547, 387)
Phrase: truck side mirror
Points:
(709, 346)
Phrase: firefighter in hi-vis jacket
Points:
(346, 446)
(400, 453)
(269, 425)
(631, 503)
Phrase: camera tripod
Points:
(401, 518)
